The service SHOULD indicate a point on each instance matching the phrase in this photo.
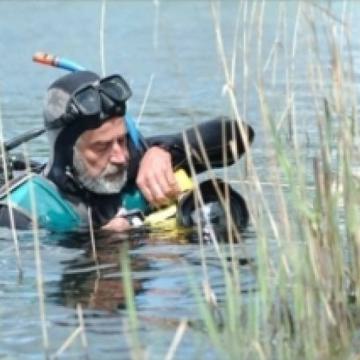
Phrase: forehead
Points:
(110, 129)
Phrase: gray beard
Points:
(111, 181)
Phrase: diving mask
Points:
(96, 102)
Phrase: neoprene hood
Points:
(59, 93)
(62, 138)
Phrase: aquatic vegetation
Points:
(307, 278)
(307, 259)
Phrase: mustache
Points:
(112, 169)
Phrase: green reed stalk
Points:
(10, 207)
(38, 264)
(133, 321)
(102, 38)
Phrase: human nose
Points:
(119, 153)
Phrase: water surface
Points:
(175, 44)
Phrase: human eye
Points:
(101, 146)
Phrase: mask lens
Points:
(87, 101)
(116, 88)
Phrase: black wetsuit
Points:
(212, 133)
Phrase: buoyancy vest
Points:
(37, 198)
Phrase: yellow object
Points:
(161, 215)
(185, 183)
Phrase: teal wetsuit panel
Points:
(36, 195)
(132, 199)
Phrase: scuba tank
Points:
(215, 205)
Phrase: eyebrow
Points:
(121, 136)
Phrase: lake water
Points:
(173, 43)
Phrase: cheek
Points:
(96, 162)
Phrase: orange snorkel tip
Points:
(44, 58)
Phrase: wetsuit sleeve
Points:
(22, 222)
(215, 137)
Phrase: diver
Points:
(101, 170)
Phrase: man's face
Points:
(101, 157)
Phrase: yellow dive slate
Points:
(169, 213)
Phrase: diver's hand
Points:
(156, 178)
(117, 224)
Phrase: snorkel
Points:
(56, 61)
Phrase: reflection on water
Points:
(160, 267)
(96, 281)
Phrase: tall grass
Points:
(308, 282)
